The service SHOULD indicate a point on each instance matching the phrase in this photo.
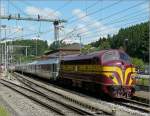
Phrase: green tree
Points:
(20, 52)
(57, 44)
(104, 45)
(86, 49)
(138, 40)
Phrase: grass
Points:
(3, 111)
(143, 81)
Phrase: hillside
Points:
(133, 39)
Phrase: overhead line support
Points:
(55, 22)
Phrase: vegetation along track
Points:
(44, 101)
(133, 104)
(61, 99)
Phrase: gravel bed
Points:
(59, 98)
(67, 111)
(22, 105)
(121, 110)
(8, 108)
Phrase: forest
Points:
(134, 40)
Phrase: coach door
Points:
(54, 71)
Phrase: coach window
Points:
(52, 66)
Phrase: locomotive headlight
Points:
(132, 76)
(112, 76)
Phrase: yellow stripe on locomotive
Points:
(108, 71)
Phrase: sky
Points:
(86, 19)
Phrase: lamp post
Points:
(125, 44)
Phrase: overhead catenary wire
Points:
(88, 25)
(55, 10)
(123, 18)
(12, 33)
(109, 16)
(20, 10)
(8, 2)
(102, 30)
(26, 35)
(62, 6)
(17, 8)
(94, 12)
(88, 7)
(31, 34)
(129, 23)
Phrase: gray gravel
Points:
(121, 110)
(9, 109)
(67, 111)
(21, 105)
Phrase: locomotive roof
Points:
(87, 56)
(83, 56)
(47, 61)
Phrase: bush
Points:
(138, 63)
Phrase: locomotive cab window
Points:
(108, 56)
(125, 57)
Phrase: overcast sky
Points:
(88, 18)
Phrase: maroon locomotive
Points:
(107, 71)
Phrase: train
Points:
(107, 72)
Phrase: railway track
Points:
(22, 90)
(141, 100)
(32, 94)
(82, 109)
(131, 104)
(145, 104)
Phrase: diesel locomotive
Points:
(108, 72)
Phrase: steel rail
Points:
(97, 111)
(132, 106)
(76, 109)
(9, 85)
(136, 102)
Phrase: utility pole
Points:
(125, 44)
(6, 48)
(5, 55)
(56, 30)
(19, 46)
(78, 35)
(26, 51)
